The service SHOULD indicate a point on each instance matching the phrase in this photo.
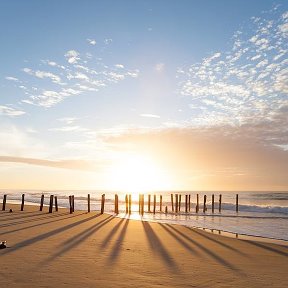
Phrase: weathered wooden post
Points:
(154, 204)
(4, 202)
(126, 204)
(22, 203)
(51, 204)
(56, 204)
(73, 203)
(176, 203)
(70, 204)
(160, 203)
(186, 203)
(142, 207)
(172, 202)
(166, 209)
(237, 203)
(189, 202)
(41, 202)
(139, 208)
(179, 207)
(102, 203)
(88, 203)
(220, 203)
(204, 204)
(197, 203)
(130, 203)
(212, 203)
(149, 203)
(116, 210)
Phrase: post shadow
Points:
(115, 250)
(157, 247)
(210, 253)
(49, 234)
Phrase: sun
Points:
(138, 174)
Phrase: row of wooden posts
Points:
(175, 204)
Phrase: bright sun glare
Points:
(138, 173)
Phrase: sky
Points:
(144, 95)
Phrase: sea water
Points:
(263, 214)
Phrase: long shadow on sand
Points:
(79, 238)
(69, 216)
(21, 217)
(115, 250)
(210, 253)
(40, 217)
(111, 233)
(43, 236)
(181, 241)
(206, 236)
(268, 248)
(158, 248)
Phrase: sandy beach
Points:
(93, 250)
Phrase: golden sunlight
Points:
(138, 173)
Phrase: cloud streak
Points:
(63, 164)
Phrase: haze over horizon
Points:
(144, 95)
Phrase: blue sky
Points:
(86, 84)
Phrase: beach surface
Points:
(93, 250)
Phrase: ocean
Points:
(261, 214)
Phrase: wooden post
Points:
(212, 203)
(139, 206)
(197, 203)
(172, 204)
(204, 204)
(186, 203)
(73, 203)
(56, 204)
(160, 203)
(142, 204)
(88, 203)
(130, 203)
(22, 203)
(126, 204)
(41, 202)
(4, 202)
(237, 203)
(154, 204)
(189, 202)
(220, 202)
(149, 203)
(116, 211)
(51, 204)
(176, 203)
(166, 209)
(179, 206)
(102, 203)
(70, 204)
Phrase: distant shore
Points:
(89, 249)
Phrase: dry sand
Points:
(93, 250)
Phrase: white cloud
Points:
(8, 111)
(43, 74)
(150, 115)
(91, 41)
(72, 56)
(10, 78)
(121, 66)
